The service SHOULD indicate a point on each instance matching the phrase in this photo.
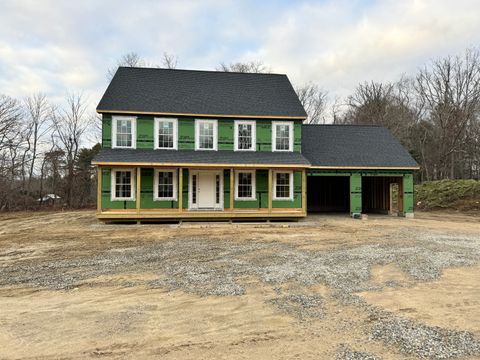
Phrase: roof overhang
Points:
(199, 165)
(128, 112)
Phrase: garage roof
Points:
(355, 146)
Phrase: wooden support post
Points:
(270, 190)
(137, 198)
(390, 199)
(180, 189)
(99, 189)
(232, 188)
(304, 191)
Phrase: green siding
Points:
(297, 136)
(145, 127)
(264, 135)
(225, 134)
(107, 203)
(408, 193)
(355, 194)
(297, 194)
(106, 131)
(186, 133)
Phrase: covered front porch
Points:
(200, 192)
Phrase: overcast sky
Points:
(59, 46)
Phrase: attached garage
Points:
(357, 169)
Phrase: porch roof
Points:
(221, 158)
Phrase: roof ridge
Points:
(197, 70)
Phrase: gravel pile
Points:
(424, 341)
(217, 267)
(345, 353)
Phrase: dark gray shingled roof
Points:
(201, 92)
(199, 157)
(353, 145)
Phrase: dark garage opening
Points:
(380, 194)
(328, 194)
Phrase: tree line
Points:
(435, 114)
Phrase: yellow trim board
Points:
(200, 115)
(365, 167)
(188, 165)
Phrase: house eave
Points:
(129, 112)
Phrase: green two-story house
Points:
(179, 144)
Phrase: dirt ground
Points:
(323, 288)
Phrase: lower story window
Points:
(245, 185)
(123, 185)
(283, 186)
(165, 184)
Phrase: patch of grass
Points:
(462, 195)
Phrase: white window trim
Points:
(175, 132)
(274, 135)
(274, 192)
(113, 183)
(197, 134)
(254, 134)
(254, 190)
(114, 132)
(155, 185)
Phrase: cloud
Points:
(55, 47)
(341, 43)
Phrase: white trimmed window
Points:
(245, 135)
(165, 184)
(245, 185)
(283, 185)
(282, 135)
(124, 132)
(166, 133)
(206, 135)
(123, 184)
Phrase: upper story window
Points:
(282, 136)
(283, 185)
(245, 185)
(205, 134)
(245, 135)
(123, 131)
(165, 187)
(123, 184)
(166, 133)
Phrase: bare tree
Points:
(71, 125)
(38, 125)
(169, 61)
(244, 67)
(132, 59)
(450, 89)
(314, 101)
(10, 116)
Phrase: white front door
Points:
(206, 190)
